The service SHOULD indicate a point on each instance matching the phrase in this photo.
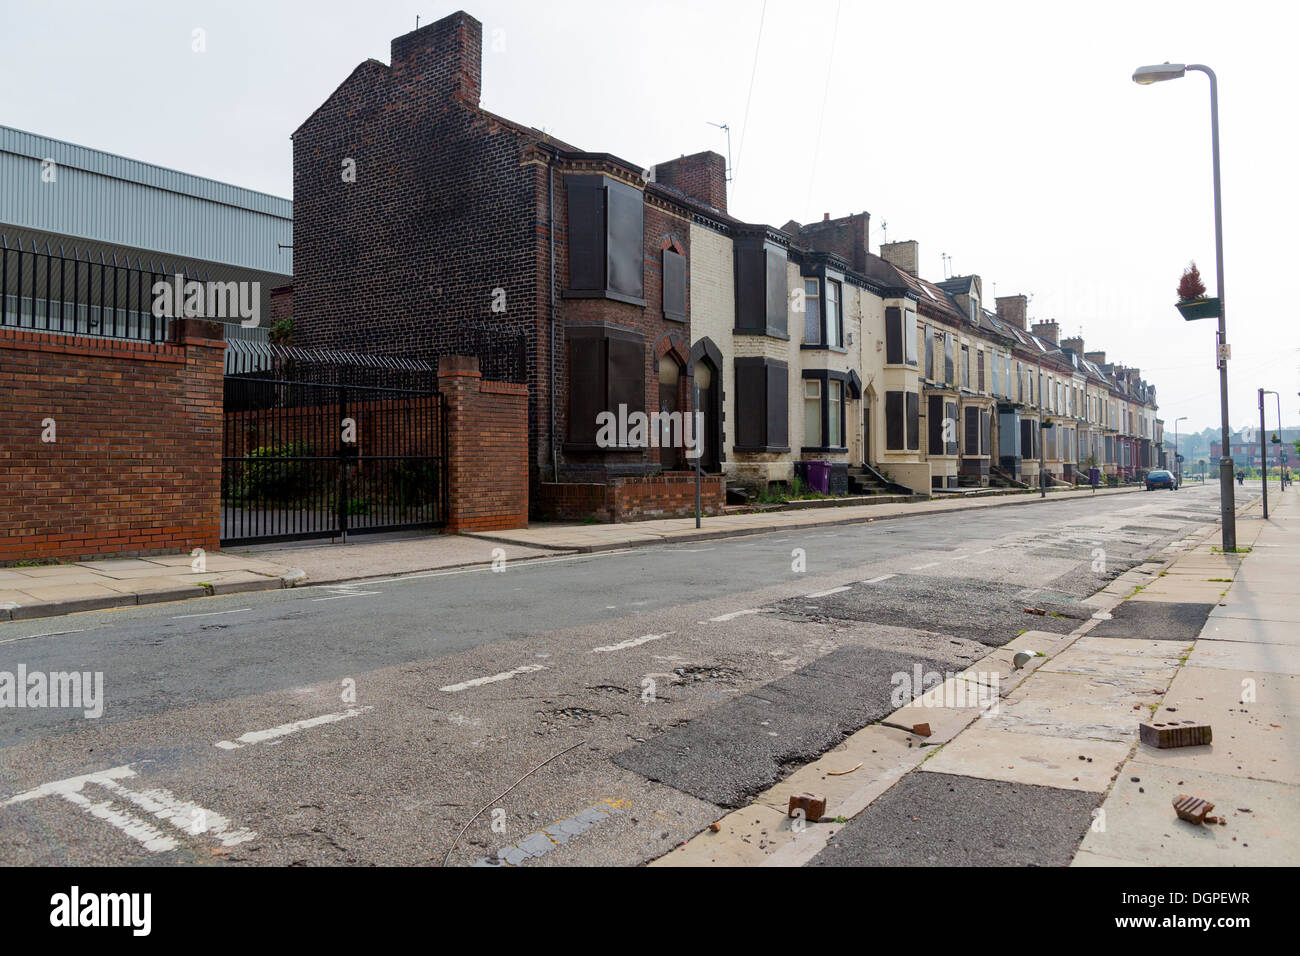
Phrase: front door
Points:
(669, 402)
(707, 402)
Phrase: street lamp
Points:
(1145, 76)
(1178, 462)
(1263, 442)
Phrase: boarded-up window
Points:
(972, 443)
(776, 290)
(913, 415)
(950, 415)
(762, 412)
(947, 358)
(586, 233)
(984, 431)
(606, 370)
(674, 285)
(626, 239)
(895, 431)
(894, 336)
(929, 352)
(934, 423)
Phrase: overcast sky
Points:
(1008, 136)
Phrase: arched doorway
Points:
(670, 377)
(706, 367)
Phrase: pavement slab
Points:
(1257, 657)
(1138, 822)
(1251, 631)
(939, 819)
(1078, 706)
(1030, 758)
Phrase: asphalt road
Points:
(369, 723)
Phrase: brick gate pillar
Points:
(487, 448)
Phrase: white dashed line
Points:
(177, 617)
(960, 557)
(480, 681)
(883, 577)
(818, 594)
(262, 736)
(634, 642)
(922, 567)
(986, 551)
(735, 614)
(32, 637)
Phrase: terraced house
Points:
(631, 290)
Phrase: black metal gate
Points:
(314, 447)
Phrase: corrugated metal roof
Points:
(110, 198)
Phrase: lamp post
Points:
(1178, 464)
(1144, 76)
(1263, 443)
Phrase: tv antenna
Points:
(884, 230)
(947, 265)
(726, 129)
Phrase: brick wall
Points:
(487, 448)
(135, 467)
(702, 176)
(670, 495)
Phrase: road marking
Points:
(262, 736)
(883, 577)
(735, 614)
(818, 594)
(177, 617)
(480, 681)
(922, 567)
(183, 815)
(986, 551)
(32, 637)
(520, 564)
(687, 550)
(634, 642)
(960, 557)
(344, 591)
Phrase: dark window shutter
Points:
(626, 239)
(776, 292)
(586, 385)
(913, 409)
(934, 424)
(751, 302)
(894, 431)
(626, 374)
(674, 285)
(972, 431)
(750, 414)
(929, 351)
(950, 414)
(778, 404)
(586, 232)
(894, 336)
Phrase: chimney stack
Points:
(1047, 330)
(1096, 358)
(702, 176)
(445, 57)
(1013, 310)
(1074, 343)
(904, 256)
(845, 237)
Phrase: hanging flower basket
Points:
(1200, 309)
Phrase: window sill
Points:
(773, 449)
(825, 449)
(602, 294)
(824, 348)
(771, 333)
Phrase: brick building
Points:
(424, 228)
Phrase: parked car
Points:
(1161, 479)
